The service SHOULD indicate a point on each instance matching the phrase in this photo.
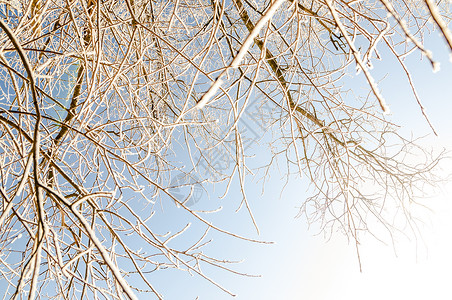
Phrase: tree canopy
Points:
(110, 108)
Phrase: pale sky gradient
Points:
(304, 265)
(422, 270)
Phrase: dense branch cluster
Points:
(105, 103)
